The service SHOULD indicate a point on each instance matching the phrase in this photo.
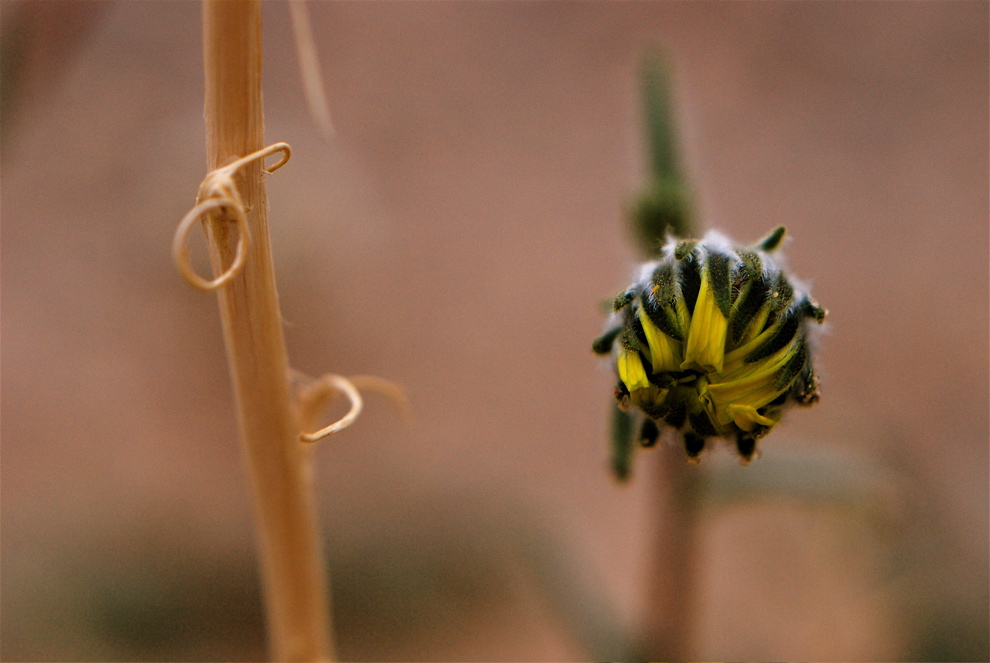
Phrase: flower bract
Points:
(712, 340)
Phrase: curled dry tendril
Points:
(219, 199)
(316, 395)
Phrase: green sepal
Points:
(772, 241)
(805, 389)
(747, 306)
(810, 309)
(792, 368)
(785, 334)
(749, 268)
(603, 344)
(664, 281)
(701, 424)
(781, 294)
(720, 282)
(628, 340)
(746, 445)
(622, 300)
(676, 412)
(649, 433)
(656, 412)
(693, 444)
(690, 280)
(751, 265)
(684, 248)
(662, 317)
(662, 380)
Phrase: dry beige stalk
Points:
(291, 562)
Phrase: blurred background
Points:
(458, 237)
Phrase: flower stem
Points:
(292, 573)
(672, 576)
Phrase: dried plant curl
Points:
(318, 394)
(219, 199)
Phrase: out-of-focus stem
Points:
(655, 87)
(672, 575)
(291, 564)
(309, 68)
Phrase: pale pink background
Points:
(458, 237)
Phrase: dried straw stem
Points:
(291, 563)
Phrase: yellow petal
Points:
(738, 370)
(751, 385)
(706, 339)
(747, 418)
(631, 370)
(666, 352)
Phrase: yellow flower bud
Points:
(714, 341)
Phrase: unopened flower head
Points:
(712, 340)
